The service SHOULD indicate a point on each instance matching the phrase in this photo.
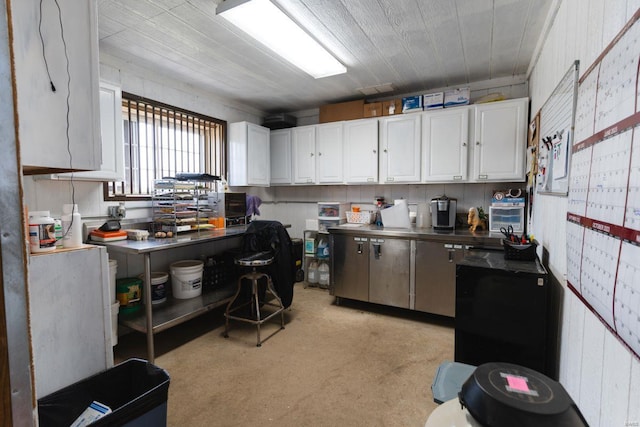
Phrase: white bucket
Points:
(113, 269)
(186, 278)
(159, 281)
(114, 323)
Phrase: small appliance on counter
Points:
(443, 213)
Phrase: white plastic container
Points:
(186, 278)
(159, 281)
(71, 226)
(42, 235)
(114, 323)
(312, 274)
(323, 274)
(113, 270)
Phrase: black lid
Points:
(505, 395)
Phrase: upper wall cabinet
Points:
(281, 156)
(249, 154)
(329, 159)
(400, 149)
(112, 159)
(303, 141)
(499, 141)
(45, 55)
(445, 135)
(360, 148)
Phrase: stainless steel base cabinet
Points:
(389, 271)
(436, 276)
(350, 256)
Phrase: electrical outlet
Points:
(117, 212)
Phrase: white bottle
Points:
(323, 273)
(312, 275)
(71, 226)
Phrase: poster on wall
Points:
(603, 218)
(557, 118)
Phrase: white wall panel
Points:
(615, 381)
(634, 393)
(573, 347)
(591, 373)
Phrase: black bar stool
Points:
(259, 259)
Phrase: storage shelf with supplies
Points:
(505, 216)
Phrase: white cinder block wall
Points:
(601, 375)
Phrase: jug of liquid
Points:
(312, 274)
(323, 273)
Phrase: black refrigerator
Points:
(503, 312)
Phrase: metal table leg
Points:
(148, 308)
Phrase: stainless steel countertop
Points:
(462, 236)
(183, 239)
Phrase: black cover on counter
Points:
(272, 236)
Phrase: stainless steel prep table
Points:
(172, 312)
(463, 236)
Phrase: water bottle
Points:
(323, 273)
(312, 275)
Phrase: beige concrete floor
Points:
(354, 364)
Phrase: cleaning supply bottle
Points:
(71, 226)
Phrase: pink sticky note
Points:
(517, 383)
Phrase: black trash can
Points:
(135, 390)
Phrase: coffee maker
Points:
(443, 213)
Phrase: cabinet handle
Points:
(451, 256)
(360, 247)
(477, 142)
(311, 154)
(385, 150)
(377, 253)
(375, 151)
(464, 144)
(319, 154)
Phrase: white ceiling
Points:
(413, 44)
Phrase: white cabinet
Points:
(360, 148)
(112, 159)
(70, 316)
(280, 141)
(303, 140)
(499, 141)
(68, 116)
(249, 154)
(445, 135)
(329, 159)
(400, 149)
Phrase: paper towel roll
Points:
(396, 216)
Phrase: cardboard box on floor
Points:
(342, 111)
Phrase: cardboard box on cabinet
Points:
(342, 111)
(456, 97)
(373, 109)
(412, 103)
(392, 107)
(433, 101)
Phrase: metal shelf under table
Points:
(176, 311)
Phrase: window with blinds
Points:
(161, 141)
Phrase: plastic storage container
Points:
(312, 274)
(159, 281)
(135, 390)
(323, 274)
(186, 278)
(129, 294)
(42, 235)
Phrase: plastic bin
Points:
(135, 390)
(449, 379)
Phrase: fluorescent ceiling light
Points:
(265, 22)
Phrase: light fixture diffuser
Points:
(269, 25)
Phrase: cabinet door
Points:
(444, 145)
(400, 149)
(280, 141)
(389, 271)
(303, 139)
(350, 259)
(45, 134)
(249, 154)
(258, 156)
(436, 277)
(361, 151)
(329, 159)
(499, 145)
